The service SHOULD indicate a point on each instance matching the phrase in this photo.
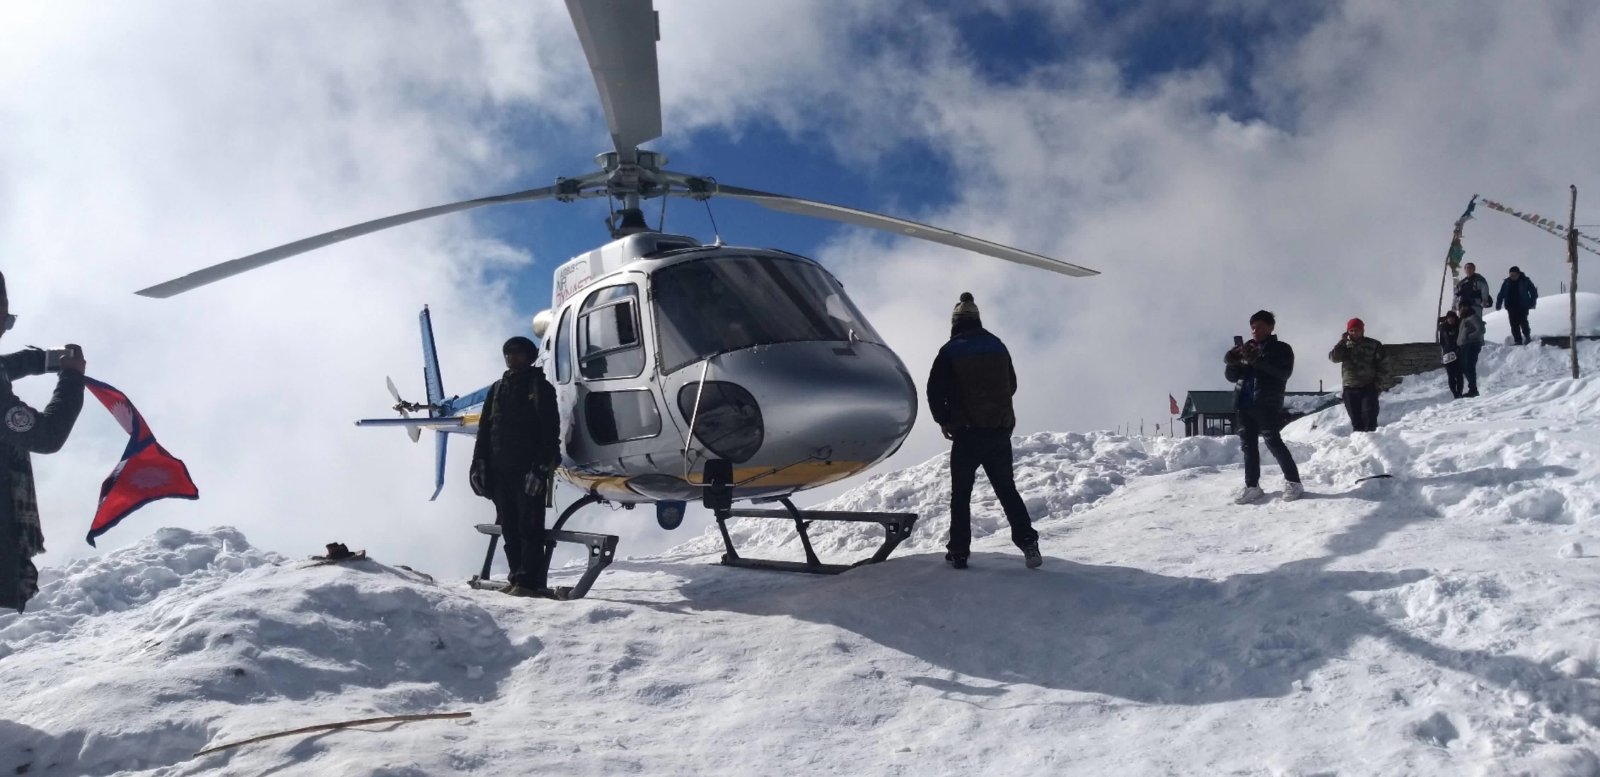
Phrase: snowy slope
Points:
(1444, 621)
(1552, 317)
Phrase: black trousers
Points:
(1361, 402)
(1452, 372)
(1520, 334)
(990, 449)
(1252, 429)
(1467, 357)
(521, 521)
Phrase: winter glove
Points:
(538, 477)
(479, 477)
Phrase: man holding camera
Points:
(1259, 368)
(518, 447)
(1362, 366)
(25, 431)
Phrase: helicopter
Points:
(683, 371)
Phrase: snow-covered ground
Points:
(1442, 621)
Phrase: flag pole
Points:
(1572, 296)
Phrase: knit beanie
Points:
(1354, 323)
(522, 344)
(966, 308)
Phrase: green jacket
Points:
(1361, 362)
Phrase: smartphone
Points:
(53, 357)
(1237, 341)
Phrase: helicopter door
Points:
(608, 334)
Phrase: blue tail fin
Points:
(435, 384)
(440, 439)
(430, 365)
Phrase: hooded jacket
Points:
(972, 382)
(1471, 331)
(520, 425)
(1519, 294)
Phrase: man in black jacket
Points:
(969, 395)
(1259, 369)
(518, 447)
(25, 431)
(1518, 295)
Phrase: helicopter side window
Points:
(564, 348)
(618, 416)
(608, 334)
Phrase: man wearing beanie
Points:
(1363, 366)
(25, 431)
(1518, 295)
(969, 395)
(518, 447)
(1260, 368)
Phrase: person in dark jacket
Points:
(1470, 342)
(25, 431)
(1362, 365)
(1450, 350)
(1472, 289)
(518, 448)
(969, 395)
(1259, 368)
(1518, 295)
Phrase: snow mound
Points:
(167, 639)
(127, 579)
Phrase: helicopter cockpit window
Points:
(608, 334)
(725, 303)
(564, 348)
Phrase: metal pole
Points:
(1572, 258)
(1443, 271)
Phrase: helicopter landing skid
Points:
(602, 550)
(896, 526)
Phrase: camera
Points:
(53, 357)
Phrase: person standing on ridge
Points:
(518, 447)
(1259, 368)
(1450, 350)
(1473, 289)
(25, 431)
(1363, 365)
(1470, 342)
(969, 396)
(1518, 295)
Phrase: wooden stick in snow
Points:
(334, 726)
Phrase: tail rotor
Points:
(405, 409)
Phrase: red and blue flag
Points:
(147, 471)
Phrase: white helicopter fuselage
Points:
(666, 354)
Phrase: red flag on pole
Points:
(146, 473)
(1175, 410)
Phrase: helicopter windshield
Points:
(725, 303)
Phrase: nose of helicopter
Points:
(815, 401)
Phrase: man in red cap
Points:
(1363, 366)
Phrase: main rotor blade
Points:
(862, 218)
(619, 38)
(233, 267)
